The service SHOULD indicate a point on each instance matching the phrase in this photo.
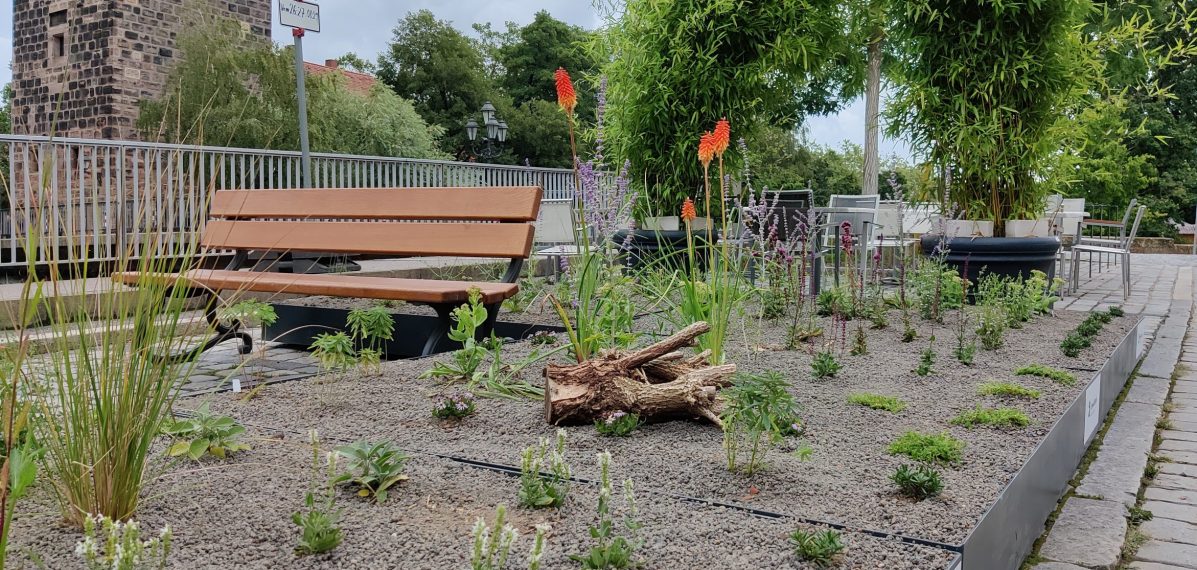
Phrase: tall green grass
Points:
(101, 390)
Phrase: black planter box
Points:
(298, 326)
(664, 249)
(1006, 257)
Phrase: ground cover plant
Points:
(372, 467)
(205, 433)
(618, 424)
(877, 402)
(1082, 337)
(1009, 389)
(928, 448)
(544, 474)
(758, 413)
(1055, 375)
(992, 417)
(819, 547)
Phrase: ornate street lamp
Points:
(494, 135)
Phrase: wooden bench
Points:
(490, 222)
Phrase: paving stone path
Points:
(270, 362)
(1092, 526)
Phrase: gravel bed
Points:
(846, 480)
(236, 514)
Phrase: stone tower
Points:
(85, 64)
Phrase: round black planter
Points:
(1007, 257)
(661, 248)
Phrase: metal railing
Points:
(103, 196)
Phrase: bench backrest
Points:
(465, 222)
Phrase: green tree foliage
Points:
(981, 84)
(441, 71)
(232, 90)
(531, 54)
(781, 160)
(677, 66)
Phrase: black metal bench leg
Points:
(441, 330)
(492, 315)
(222, 333)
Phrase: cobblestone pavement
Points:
(270, 362)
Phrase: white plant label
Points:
(296, 14)
(236, 384)
(1092, 408)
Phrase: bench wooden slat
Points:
(506, 203)
(338, 285)
(397, 238)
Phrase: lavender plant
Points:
(612, 548)
(544, 474)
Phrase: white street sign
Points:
(296, 14)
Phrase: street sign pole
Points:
(302, 95)
(301, 17)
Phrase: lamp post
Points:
(494, 136)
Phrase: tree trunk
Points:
(872, 163)
(654, 382)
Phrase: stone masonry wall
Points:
(87, 63)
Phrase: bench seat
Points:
(333, 284)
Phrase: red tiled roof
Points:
(360, 83)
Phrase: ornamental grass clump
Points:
(917, 481)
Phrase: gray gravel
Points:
(236, 514)
(847, 479)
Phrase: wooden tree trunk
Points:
(656, 381)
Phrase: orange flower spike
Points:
(688, 211)
(706, 148)
(566, 97)
(722, 136)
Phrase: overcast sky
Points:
(364, 27)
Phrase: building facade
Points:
(80, 67)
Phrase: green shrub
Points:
(1007, 389)
(1073, 344)
(991, 327)
(1057, 376)
(758, 412)
(928, 448)
(544, 474)
(877, 402)
(373, 467)
(992, 417)
(917, 482)
(834, 301)
(825, 365)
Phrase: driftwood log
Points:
(653, 382)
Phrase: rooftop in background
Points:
(356, 82)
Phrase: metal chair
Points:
(1121, 250)
(860, 212)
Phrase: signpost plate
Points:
(302, 15)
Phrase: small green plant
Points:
(204, 433)
(757, 413)
(318, 521)
(1008, 389)
(612, 549)
(938, 287)
(1073, 344)
(1137, 515)
(468, 359)
(249, 311)
(877, 402)
(927, 360)
(774, 304)
(492, 544)
(860, 344)
(965, 353)
(373, 467)
(1115, 311)
(825, 365)
(334, 351)
(992, 417)
(879, 312)
(618, 424)
(991, 326)
(371, 329)
(544, 474)
(928, 448)
(918, 481)
(834, 301)
(817, 547)
(503, 380)
(543, 338)
(1057, 376)
(454, 406)
(113, 545)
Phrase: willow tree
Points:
(676, 66)
(980, 86)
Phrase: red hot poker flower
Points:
(688, 211)
(706, 148)
(566, 97)
(722, 136)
